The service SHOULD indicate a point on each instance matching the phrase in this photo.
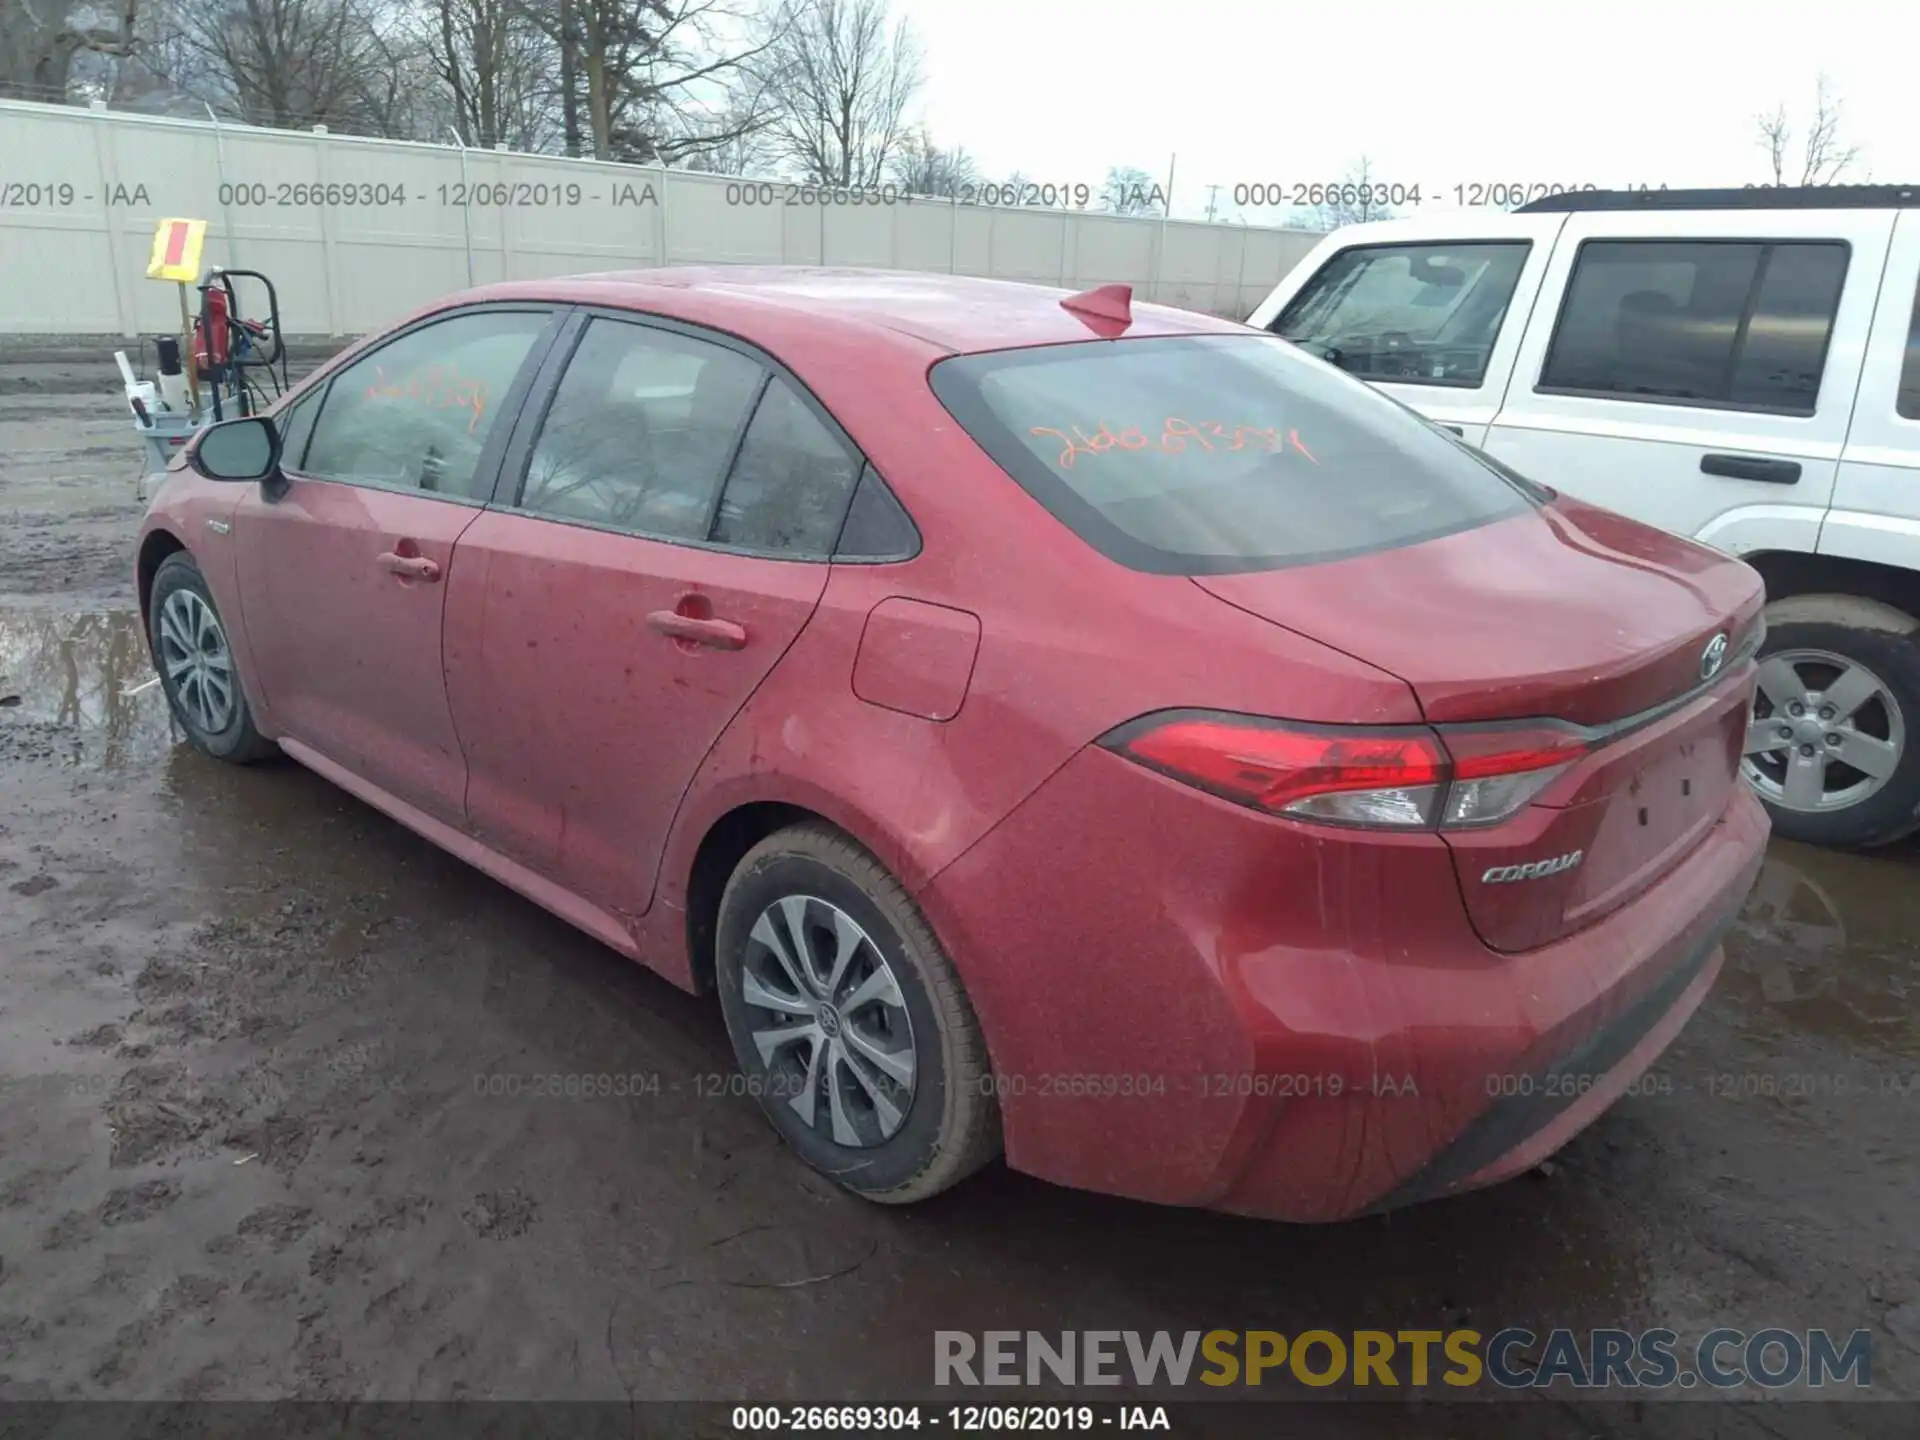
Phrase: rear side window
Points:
(1212, 454)
(791, 486)
(878, 526)
(1724, 324)
(1908, 400)
(1414, 314)
(641, 431)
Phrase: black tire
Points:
(951, 1124)
(1893, 811)
(236, 741)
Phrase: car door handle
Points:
(1752, 467)
(720, 634)
(412, 567)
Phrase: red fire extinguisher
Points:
(210, 332)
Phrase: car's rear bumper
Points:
(1191, 1003)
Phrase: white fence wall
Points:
(81, 190)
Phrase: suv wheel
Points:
(1831, 747)
(849, 1020)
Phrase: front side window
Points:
(641, 431)
(1213, 454)
(416, 413)
(1725, 324)
(1415, 314)
(295, 424)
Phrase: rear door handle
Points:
(1752, 467)
(411, 567)
(720, 634)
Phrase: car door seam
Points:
(1880, 298)
(698, 768)
(1526, 325)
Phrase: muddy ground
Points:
(253, 1140)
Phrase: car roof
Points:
(914, 311)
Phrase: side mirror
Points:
(244, 449)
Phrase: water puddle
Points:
(75, 689)
(1829, 943)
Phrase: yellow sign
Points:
(176, 250)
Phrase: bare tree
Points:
(732, 142)
(839, 79)
(40, 39)
(1823, 158)
(493, 63)
(920, 167)
(632, 72)
(1129, 190)
(399, 90)
(1358, 198)
(287, 62)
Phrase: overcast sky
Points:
(1444, 93)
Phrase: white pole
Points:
(466, 210)
(1160, 250)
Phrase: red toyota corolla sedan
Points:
(1094, 730)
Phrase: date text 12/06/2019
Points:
(1386, 197)
(460, 194)
(962, 1419)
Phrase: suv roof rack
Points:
(1756, 197)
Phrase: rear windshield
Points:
(1205, 455)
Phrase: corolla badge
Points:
(1539, 869)
(1713, 657)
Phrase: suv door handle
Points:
(1752, 467)
(411, 567)
(720, 634)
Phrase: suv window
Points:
(1417, 314)
(1727, 324)
(1908, 400)
(640, 431)
(790, 489)
(416, 413)
(1220, 453)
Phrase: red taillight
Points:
(1402, 777)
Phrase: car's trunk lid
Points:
(1571, 613)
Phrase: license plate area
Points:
(1656, 800)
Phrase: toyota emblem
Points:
(1713, 657)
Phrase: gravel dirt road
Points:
(268, 1126)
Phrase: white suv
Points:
(1740, 366)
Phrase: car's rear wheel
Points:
(1831, 747)
(849, 1020)
(197, 668)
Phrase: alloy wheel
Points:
(197, 661)
(1826, 732)
(829, 1021)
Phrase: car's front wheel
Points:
(197, 666)
(849, 1020)
(1831, 743)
